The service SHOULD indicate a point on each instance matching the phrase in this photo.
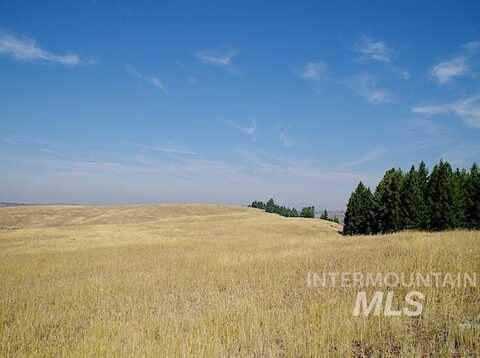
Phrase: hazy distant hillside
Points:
(7, 204)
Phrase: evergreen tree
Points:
(472, 196)
(388, 197)
(258, 205)
(350, 225)
(308, 212)
(412, 201)
(441, 197)
(360, 213)
(459, 184)
(270, 207)
(370, 208)
(423, 212)
(439, 201)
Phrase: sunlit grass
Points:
(196, 280)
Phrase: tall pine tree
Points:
(459, 183)
(412, 201)
(472, 202)
(387, 196)
(359, 216)
(441, 197)
(422, 177)
(270, 207)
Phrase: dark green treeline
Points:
(441, 200)
(272, 207)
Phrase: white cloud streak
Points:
(246, 130)
(403, 73)
(367, 87)
(378, 51)
(152, 80)
(314, 71)
(222, 58)
(284, 138)
(471, 47)
(172, 150)
(370, 156)
(371, 50)
(468, 110)
(168, 173)
(23, 48)
(445, 71)
(458, 66)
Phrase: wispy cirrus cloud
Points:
(285, 138)
(371, 50)
(378, 51)
(370, 156)
(169, 172)
(471, 47)
(248, 130)
(446, 71)
(23, 48)
(172, 150)
(314, 71)
(458, 66)
(468, 110)
(152, 80)
(403, 73)
(366, 86)
(223, 58)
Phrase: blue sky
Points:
(176, 101)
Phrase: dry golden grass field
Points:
(217, 281)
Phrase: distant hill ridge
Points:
(8, 204)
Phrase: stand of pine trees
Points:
(308, 212)
(441, 200)
(271, 207)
